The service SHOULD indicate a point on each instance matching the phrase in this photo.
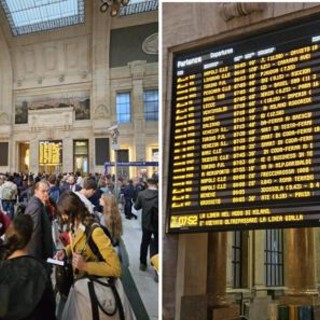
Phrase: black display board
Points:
(245, 133)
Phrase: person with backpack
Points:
(54, 190)
(92, 255)
(26, 289)
(147, 200)
(9, 196)
(111, 217)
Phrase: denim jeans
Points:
(8, 207)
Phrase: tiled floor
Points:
(144, 280)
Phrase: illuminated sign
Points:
(245, 133)
(50, 153)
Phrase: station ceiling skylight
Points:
(26, 16)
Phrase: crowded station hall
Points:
(79, 160)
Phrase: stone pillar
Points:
(34, 156)
(300, 262)
(217, 278)
(169, 275)
(217, 269)
(300, 267)
(67, 161)
(258, 260)
(137, 71)
(191, 281)
(259, 308)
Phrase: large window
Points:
(123, 107)
(151, 105)
(81, 156)
(274, 258)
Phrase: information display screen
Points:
(245, 133)
(50, 153)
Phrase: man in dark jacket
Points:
(41, 245)
(148, 201)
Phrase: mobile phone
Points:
(56, 262)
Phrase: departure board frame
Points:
(244, 149)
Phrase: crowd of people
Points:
(48, 222)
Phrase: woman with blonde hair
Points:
(111, 217)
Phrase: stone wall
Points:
(61, 65)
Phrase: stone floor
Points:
(144, 280)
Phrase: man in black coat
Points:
(147, 200)
(41, 245)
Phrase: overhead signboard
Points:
(245, 133)
(50, 153)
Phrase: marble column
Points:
(218, 304)
(34, 156)
(191, 277)
(67, 160)
(300, 267)
(300, 262)
(259, 285)
(217, 269)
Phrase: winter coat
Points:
(147, 199)
(41, 245)
(78, 305)
(110, 267)
(25, 290)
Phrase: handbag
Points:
(64, 278)
(99, 289)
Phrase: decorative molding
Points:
(50, 54)
(150, 44)
(4, 118)
(233, 10)
(29, 60)
(137, 68)
(102, 112)
(84, 74)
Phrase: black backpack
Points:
(20, 208)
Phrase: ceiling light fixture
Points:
(114, 6)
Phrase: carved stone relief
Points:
(4, 118)
(233, 9)
(78, 102)
(50, 58)
(137, 68)
(72, 50)
(29, 61)
(102, 112)
(150, 44)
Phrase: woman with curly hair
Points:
(111, 217)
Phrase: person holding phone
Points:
(85, 263)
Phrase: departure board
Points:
(50, 153)
(245, 133)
